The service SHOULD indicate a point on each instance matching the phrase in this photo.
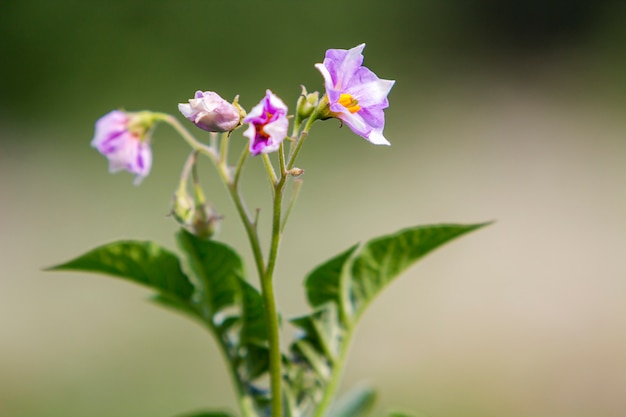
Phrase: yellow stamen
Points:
(349, 102)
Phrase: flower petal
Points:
(348, 82)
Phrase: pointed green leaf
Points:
(174, 304)
(383, 259)
(356, 403)
(323, 284)
(218, 268)
(322, 330)
(145, 263)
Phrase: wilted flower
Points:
(123, 138)
(211, 112)
(355, 94)
(268, 124)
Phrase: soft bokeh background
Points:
(505, 110)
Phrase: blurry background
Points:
(505, 110)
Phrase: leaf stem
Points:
(333, 383)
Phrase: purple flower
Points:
(268, 124)
(121, 137)
(211, 112)
(355, 94)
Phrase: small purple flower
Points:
(210, 112)
(268, 124)
(121, 137)
(355, 94)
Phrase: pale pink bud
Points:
(210, 112)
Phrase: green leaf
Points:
(253, 335)
(356, 403)
(174, 304)
(322, 330)
(145, 263)
(339, 290)
(254, 326)
(381, 260)
(218, 268)
(323, 284)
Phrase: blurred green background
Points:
(505, 110)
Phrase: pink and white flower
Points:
(355, 94)
(122, 138)
(268, 124)
(210, 112)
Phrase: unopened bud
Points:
(295, 172)
(182, 208)
(306, 103)
(210, 112)
(205, 221)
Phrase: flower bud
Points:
(182, 208)
(210, 112)
(205, 221)
(295, 172)
(306, 103)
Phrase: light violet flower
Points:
(122, 137)
(268, 124)
(356, 96)
(210, 112)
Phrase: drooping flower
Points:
(123, 138)
(210, 112)
(268, 124)
(355, 94)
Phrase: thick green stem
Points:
(270, 302)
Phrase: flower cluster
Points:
(354, 95)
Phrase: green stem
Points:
(230, 183)
(192, 141)
(224, 149)
(333, 383)
(281, 159)
(294, 195)
(239, 168)
(270, 302)
(244, 404)
(300, 141)
(271, 174)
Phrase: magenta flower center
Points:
(349, 102)
(260, 128)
